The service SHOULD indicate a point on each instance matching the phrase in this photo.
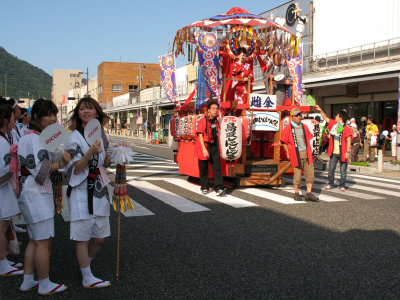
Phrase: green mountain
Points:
(23, 78)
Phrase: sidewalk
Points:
(388, 169)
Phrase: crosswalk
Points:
(159, 179)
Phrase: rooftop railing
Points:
(377, 52)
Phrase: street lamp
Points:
(87, 80)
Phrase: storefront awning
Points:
(366, 73)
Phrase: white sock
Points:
(46, 286)
(88, 279)
(5, 268)
(28, 283)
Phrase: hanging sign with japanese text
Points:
(262, 101)
(265, 121)
(314, 128)
(231, 137)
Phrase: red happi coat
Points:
(204, 127)
(345, 134)
(288, 139)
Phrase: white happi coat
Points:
(16, 135)
(36, 195)
(78, 200)
(8, 200)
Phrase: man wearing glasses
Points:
(295, 139)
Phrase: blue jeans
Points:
(335, 158)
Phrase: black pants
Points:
(216, 168)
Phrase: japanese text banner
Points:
(207, 50)
(168, 82)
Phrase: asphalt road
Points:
(179, 244)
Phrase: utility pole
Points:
(87, 83)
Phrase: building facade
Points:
(117, 78)
(63, 81)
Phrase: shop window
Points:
(116, 88)
(354, 110)
(133, 87)
(389, 114)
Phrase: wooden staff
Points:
(118, 238)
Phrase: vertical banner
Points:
(203, 93)
(168, 82)
(398, 112)
(207, 50)
(294, 65)
(63, 100)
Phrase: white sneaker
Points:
(204, 192)
(220, 192)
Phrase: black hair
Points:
(212, 102)
(23, 111)
(75, 122)
(343, 114)
(41, 108)
(5, 112)
(371, 118)
(242, 50)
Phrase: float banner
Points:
(262, 101)
(294, 65)
(203, 93)
(314, 128)
(168, 82)
(207, 50)
(265, 121)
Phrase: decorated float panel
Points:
(250, 123)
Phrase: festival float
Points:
(250, 124)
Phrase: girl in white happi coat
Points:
(15, 132)
(88, 196)
(36, 198)
(23, 122)
(8, 200)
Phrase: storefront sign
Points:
(262, 101)
(265, 121)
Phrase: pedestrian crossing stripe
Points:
(169, 198)
(226, 199)
(338, 191)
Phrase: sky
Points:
(60, 34)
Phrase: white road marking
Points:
(270, 196)
(226, 199)
(178, 202)
(347, 192)
(139, 210)
(321, 197)
(367, 188)
(145, 171)
(151, 166)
